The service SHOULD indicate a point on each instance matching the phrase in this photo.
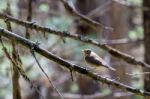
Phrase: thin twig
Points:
(39, 65)
(96, 95)
(21, 71)
(122, 41)
(136, 74)
(114, 52)
(15, 56)
(82, 17)
(81, 96)
(29, 44)
(123, 2)
(100, 9)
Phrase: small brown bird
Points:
(93, 59)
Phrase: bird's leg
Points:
(71, 73)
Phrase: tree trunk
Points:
(119, 23)
(16, 85)
(84, 7)
(146, 23)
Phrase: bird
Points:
(94, 60)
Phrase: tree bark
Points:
(119, 23)
(146, 24)
(84, 7)
(16, 85)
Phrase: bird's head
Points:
(87, 51)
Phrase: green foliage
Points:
(72, 49)
(74, 88)
(106, 91)
(139, 2)
(13, 6)
(138, 97)
(60, 23)
(44, 7)
(137, 33)
(137, 82)
(3, 5)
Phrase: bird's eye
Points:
(88, 51)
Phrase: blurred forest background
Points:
(125, 17)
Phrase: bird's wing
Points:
(93, 60)
(102, 62)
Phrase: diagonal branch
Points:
(29, 44)
(82, 17)
(114, 52)
(100, 10)
(20, 70)
(33, 54)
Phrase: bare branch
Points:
(122, 41)
(29, 16)
(20, 70)
(123, 2)
(29, 44)
(100, 10)
(95, 95)
(72, 11)
(15, 56)
(79, 96)
(33, 54)
(114, 52)
(136, 74)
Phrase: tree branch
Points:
(15, 56)
(79, 96)
(29, 17)
(122, 41)
(94, 96)
(18, 67)
(29, 44)
(40, 66)
(114, 52)
(73, 12)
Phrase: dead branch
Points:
(73, 12)
(114, 52)
(29, 44)
(40, 66)
(15, 56)
(97, 95)
(122, 41)
(18, 68)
